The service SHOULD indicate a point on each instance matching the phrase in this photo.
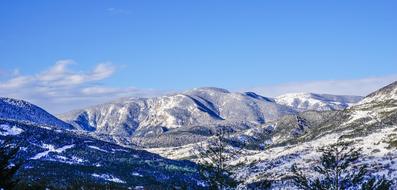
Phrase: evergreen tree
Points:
(213, 158)
(8, 169)
(337, 171)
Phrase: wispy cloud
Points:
(361, 87)
(59, 88)
(118, 11)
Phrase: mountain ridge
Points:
(318, 102)
(14, 109)
(200, 106)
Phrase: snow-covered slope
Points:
(387, 93)
(379, 106)
(318, 102)
(13, 109)
(66, 159)
(197, 107)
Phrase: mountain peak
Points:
(15, 102)
(14, 109)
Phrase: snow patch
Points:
(108, 177)
(50, 148)
(71, 161)
(6, 130)
(119, 150)
(137, 174)
(45, 127)
(97, 148)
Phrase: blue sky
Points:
(147, 47)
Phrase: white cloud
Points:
(60, 74)
(59, 89)
(361, 87)
(15, 82)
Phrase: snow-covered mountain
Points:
(54, 158)
(13, 109)
(318, 102)
(197, 107)
(370, 124)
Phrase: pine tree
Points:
(213, 158)
(8, 170)
(337, 171)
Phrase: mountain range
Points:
(162, 133)
(370, 124)
(197, 112)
